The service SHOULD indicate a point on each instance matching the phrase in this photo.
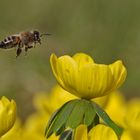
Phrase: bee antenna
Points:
(45, 34)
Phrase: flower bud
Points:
(7, 115)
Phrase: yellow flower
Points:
(116, 108)
(133, 114)
(81, 76)
(132, 118)
(7, 115)
(81, 133)
(102, 132)
(99, 132)
(36, 123)
(127, 136)
(102, 101)
(56, 98)
(14, 133)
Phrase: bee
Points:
(26, 40)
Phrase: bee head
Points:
(36, 36)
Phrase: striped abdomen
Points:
(10, 42)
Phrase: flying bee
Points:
(26, 40)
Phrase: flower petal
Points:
(94, 81)
(119, 72)
(7, 114)
(67, 70)
(102, 132)
(53, 61)
(81, 133)
(82, 59)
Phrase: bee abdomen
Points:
(7, 43)
(2, 45)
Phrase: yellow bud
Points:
(81, 76)
(7, 115)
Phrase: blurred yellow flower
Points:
(14, 133)
(102, 132)
(127, 136)
(102, 101)
(99, 132)
(81, 133)
(133, 114)
(34, 127)
(116, 108)
(132, 118)
(7, 115)
(56, 98)
(81, 76)
(53, 137)
(32, 136)
(36, 123)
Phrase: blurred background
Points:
(106, 30)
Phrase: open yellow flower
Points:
(81, 76)
(7, 115)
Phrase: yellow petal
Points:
(50, 103)
(67, 71)
(94, 81)
(102, 132)
(7, 115)
(81, 133)
(102, 101)
(53, 61)
(133, 115)
(119, 73)
(116, 105)
(127, 136)
(82, 59)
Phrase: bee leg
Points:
(26, 49)
(34, 44)
(19, 50)
(29, 47)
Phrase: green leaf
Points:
(118, 130)
(63, 115)
(94, 122)
(62, 129)
(77, 115)
(89, 114)
(66, 135)
(49, 129)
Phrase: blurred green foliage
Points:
(106, 30)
